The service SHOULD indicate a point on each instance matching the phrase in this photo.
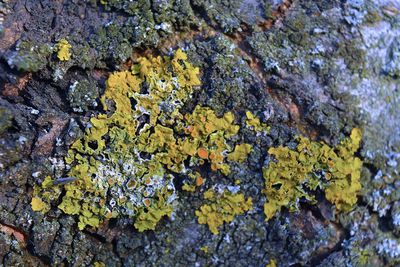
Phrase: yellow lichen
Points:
(124, 164)
(345, 170)
(222, 208)
(295, 173)
(37, 204)
(99, 264)
(148, 219)
(272, 263)
(63, 50)
(254, 123)
(189, 188)
(195, 181)
(204, 249)
(240, 153)
(44, 195)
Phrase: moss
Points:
(313, 164)
(63, 50)
(222, 208)
(126, 161)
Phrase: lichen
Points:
(240, 153)
(44, 195)
(125, 163)
(195, 180)
(272, 263)
(63, 50)
(222, 208)
(255, 124)
(99, 264)
(296, 173)
(205, 249)
(29, 56)
(82, 95)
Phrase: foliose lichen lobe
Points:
(63, 48)
(222, 208)
(295, 173)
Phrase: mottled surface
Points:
(317, 68)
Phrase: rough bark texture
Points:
(312, 68)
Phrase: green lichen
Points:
(295, 173)
(353, 56)
(125, 163)
(30, 56)
(222, 208)
(99, 264)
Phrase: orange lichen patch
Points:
(211, 132)
(147, 202)
(195, 181)
(148, 180)
(203, 153)
(214, 167)
(119, 155)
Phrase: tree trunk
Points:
(317, 69)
